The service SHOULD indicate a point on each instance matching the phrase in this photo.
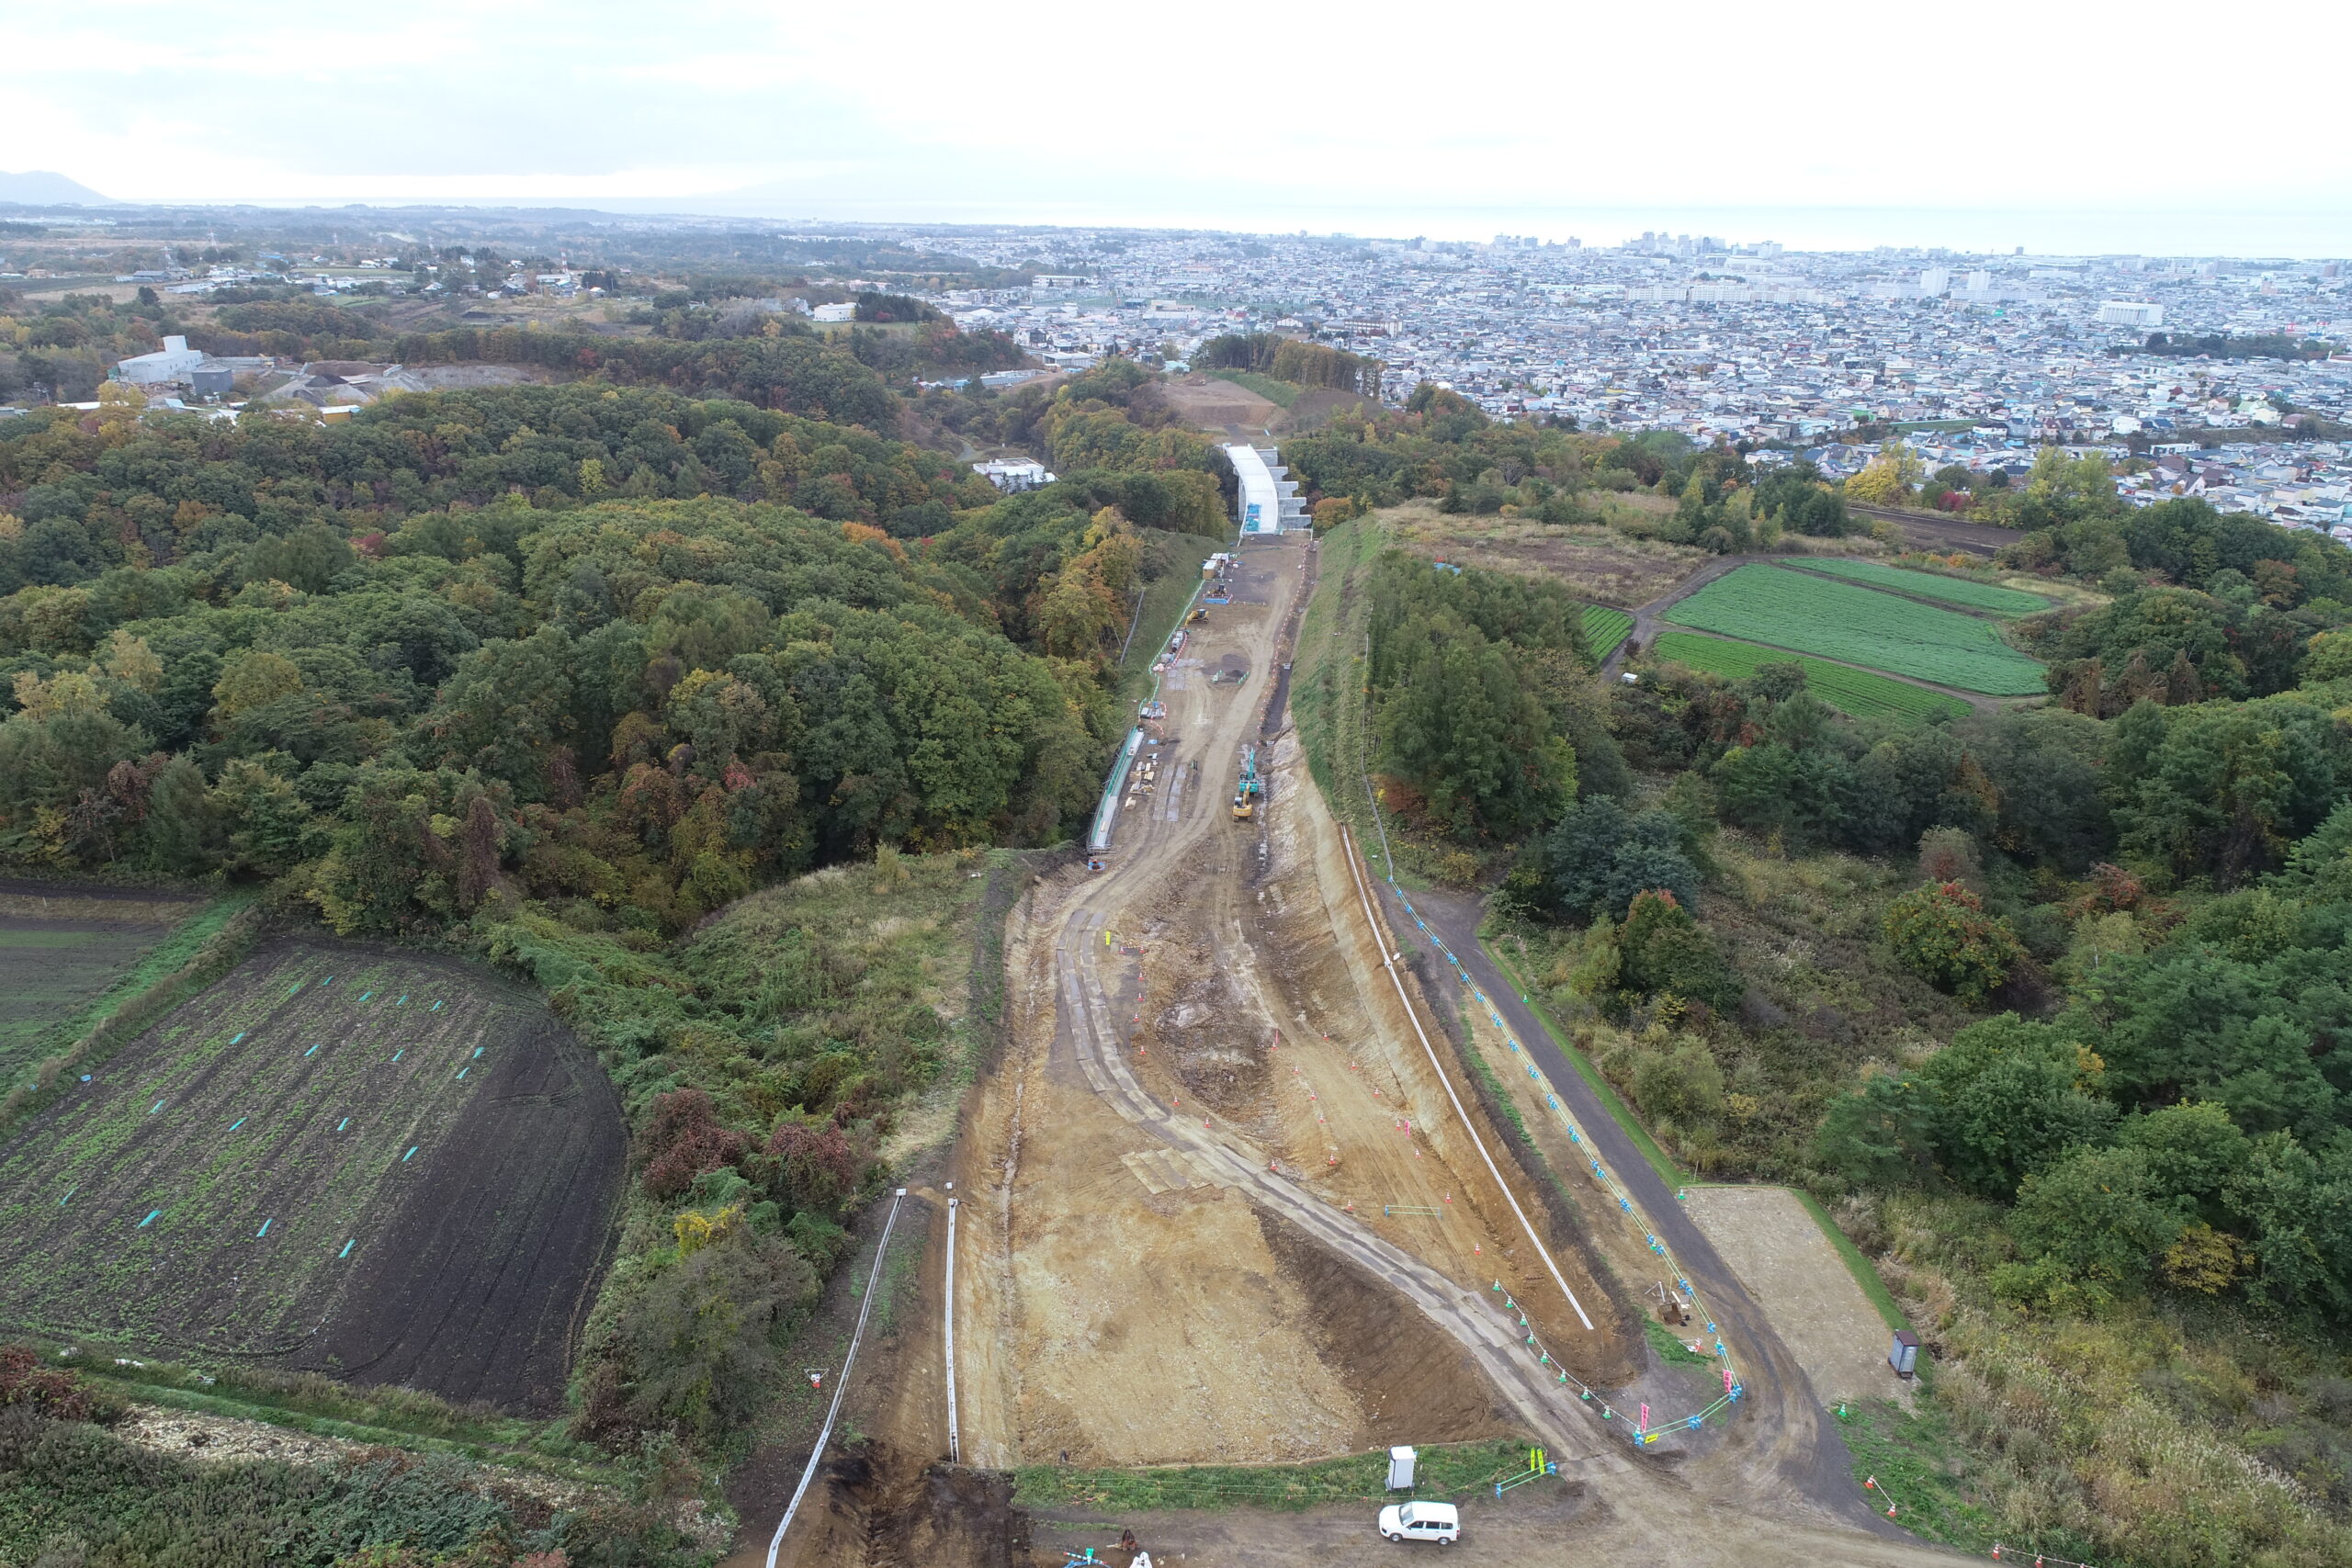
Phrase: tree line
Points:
(1291, 359)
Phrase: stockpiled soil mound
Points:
(375, 1164)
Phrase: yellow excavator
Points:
(1248, 787)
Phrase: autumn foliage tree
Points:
(1941, 932)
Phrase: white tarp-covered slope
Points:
(1269, 502)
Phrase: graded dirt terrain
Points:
(1791, 1269)
(370, 1163)
(1217, 1141)
(1218, 1204)
(1214, 405)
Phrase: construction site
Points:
(1234, 1194)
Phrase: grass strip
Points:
(1915, 1460)
(1619, 1112)
(1856, 1264)
(1280, 392)
(1454, 1469)
(314, 1396)
(1164, 602)
(1485, 1071)
(1604, 628)
(1671, 1351)
(1989, 597)
(198, 951)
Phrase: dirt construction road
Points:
(1223, 1205)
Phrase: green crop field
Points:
(1806, 614)
(1604, 628)
(65, 958)
(1857, 692)
(1986, 596)
(350, 1157)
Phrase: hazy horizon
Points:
(1822, 126)
(1989, 232)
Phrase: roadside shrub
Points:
(694, 1349)
(816, 1163)
(1685, 1083)
(1600, 856)
(1940, 931)
(53, 1394)
(1664, 952)
(684, 1140)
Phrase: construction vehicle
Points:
(1248, 787)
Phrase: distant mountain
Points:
(39, 188)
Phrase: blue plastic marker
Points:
(347, 1246)
(233, 1039)
(365, 995)
(478, 1051)
(263, 1232)
(297, 985)
(69, 1193)
(155, 1107)
(311, 1052)
(435, 1007)
(237, 1124)
(463, 1071)
(411, 1155)
(148, 1221)
(325, 983)
(398, 1054)
(341, 1124)
(403, 1001)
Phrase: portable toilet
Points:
(1904, 1357)
(1400, 1470)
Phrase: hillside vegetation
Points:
(2042, 1003)
(566, 677)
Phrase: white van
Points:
(1439, 1522)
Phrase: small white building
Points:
(1012, 478)
(833, 313)
(2130, 313)
(172, 362)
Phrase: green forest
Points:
(550, 675)
(2046, 1003)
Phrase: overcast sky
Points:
(2162, 127)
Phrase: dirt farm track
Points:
(377, 1164)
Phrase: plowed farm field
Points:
(380, 1165)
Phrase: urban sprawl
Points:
(1977, 360)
